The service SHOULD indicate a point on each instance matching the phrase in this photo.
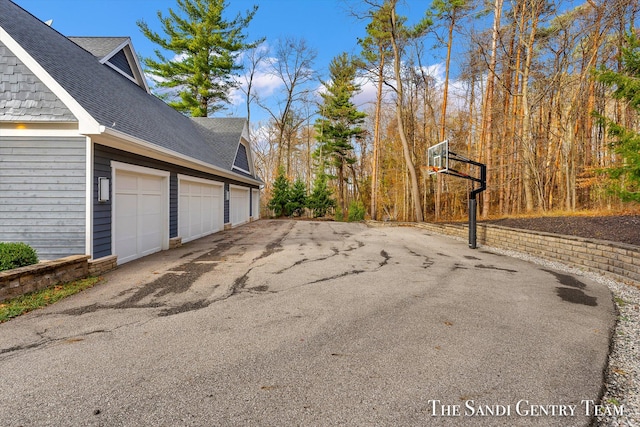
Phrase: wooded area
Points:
(541, 91)
(522, 101)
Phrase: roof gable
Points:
(227, 132)
(242, 159)
(117, 53)
(24, 97)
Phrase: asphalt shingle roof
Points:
(99, 46)
(114, 101)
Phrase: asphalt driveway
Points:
(313, 323)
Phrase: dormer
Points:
(242, 161)
(116, 53)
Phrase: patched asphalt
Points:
(314, 323)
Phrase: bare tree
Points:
(255, 59)
(292, 64)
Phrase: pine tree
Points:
(627, 142)
(280, 196)
(206, 46)
(297, 198)
(320, 200)
(340, 120)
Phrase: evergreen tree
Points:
(340, 120)
(320, 200)
(280, 196)
(297, 198)
(627, 144)
(206, 46)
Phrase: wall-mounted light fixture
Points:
(226, 195)
(103, 189)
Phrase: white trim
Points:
(126, 167)
(138, 169)
(198, 180)
(111, 54)
(88, 235)
(240, 169)
(141, 77)
(132, 59)
(239, 187)
(87, 124)
(122, 73)
(28, 131)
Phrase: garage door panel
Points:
(195, 214)
(140, 215)
(201, 210)
(127, 183)
(239, 207)
(151, 185)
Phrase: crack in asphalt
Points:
(385, 258)
(166, 284)
(493, 267)
(426, 260)
(7, 353)
(337, 276)
(275, 246)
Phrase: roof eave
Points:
(117, 139)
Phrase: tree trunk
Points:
(415, 190)
(528, 149)
(487, 131)
(376, 140)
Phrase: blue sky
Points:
(326, 25)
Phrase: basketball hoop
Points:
(438, 158)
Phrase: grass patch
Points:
(34, 300)
(620, 301)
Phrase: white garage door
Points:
(140, 210)
(201, 207)
(239, 205)
(255, 201)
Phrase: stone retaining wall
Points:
(19, 281)
(102, 265)
(618, 261)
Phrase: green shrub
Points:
(320, 201)
(356, 212)
(14, 255)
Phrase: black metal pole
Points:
(473, 204)
(472, 220)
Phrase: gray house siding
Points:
(102, 210)
(42, 189)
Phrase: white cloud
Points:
(367, 95)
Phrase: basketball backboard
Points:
(438, 158)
